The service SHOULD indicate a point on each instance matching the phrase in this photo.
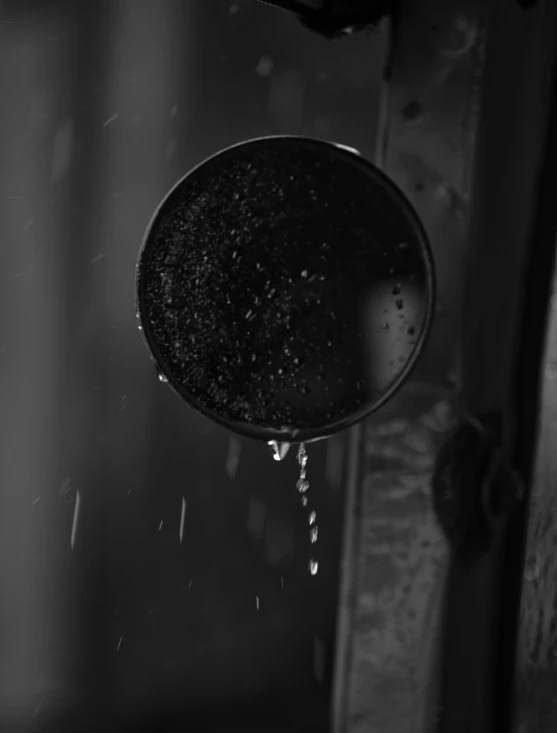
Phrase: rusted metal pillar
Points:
(396, 557)
(470, 135)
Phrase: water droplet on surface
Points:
(399, 303)
(304, 273)
(162, 378)
(313, 567)
(397, 289)
(384, 326)
(305, 390)
(279, 449)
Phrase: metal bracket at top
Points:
(335, 19)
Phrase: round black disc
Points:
(285, 288)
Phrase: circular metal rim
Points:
(289, 434)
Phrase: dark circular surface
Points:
(285, 288)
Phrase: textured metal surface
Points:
(401, 565)
(503, 330)
(285, 288)
(537, 647)
(392, 616)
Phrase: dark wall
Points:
(108, 621)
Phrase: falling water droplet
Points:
(303, 485)
(302, 457)
(279, 449)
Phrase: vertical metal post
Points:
(390, 617)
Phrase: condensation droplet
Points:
(313, 566)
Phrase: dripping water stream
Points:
(303, 485)
(280, 449)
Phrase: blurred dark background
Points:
(109, 619)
